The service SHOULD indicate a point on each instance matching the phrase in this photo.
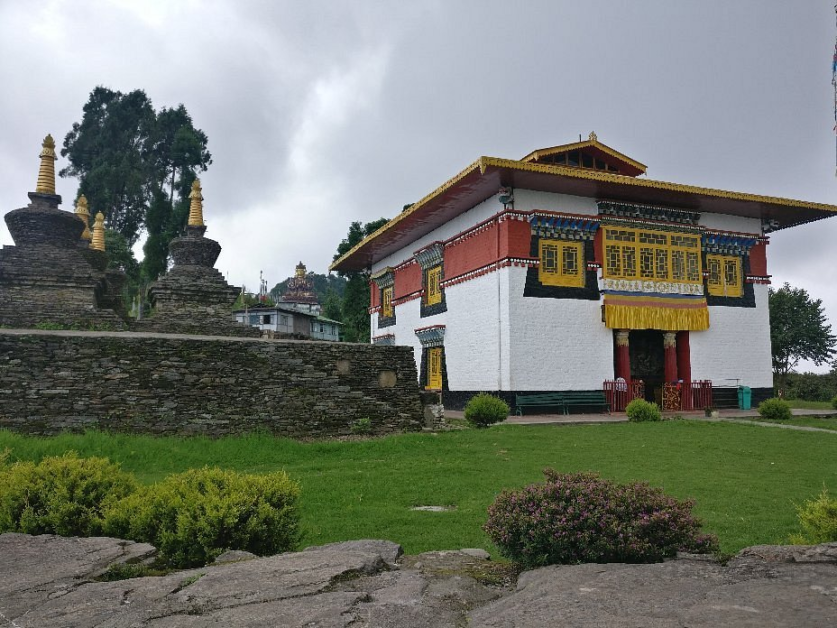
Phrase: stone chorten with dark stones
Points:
(51, 275)
(193, 297)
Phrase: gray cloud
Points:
(321, 113)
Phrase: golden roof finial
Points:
(98, 243)
(84, 214)
(46, 173)
(593, 137)
(196, 205)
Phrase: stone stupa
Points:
(51, 276)
(193, 297)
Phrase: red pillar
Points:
(623, 355)
(684, 367)
(670, 348)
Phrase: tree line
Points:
(136, 165)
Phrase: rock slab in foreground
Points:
(45, 581)
(793, 586)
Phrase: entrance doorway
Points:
(648, 360)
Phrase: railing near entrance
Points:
(701, 395)
(687, 395)
(695, 395)
(620, 393)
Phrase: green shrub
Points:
(818, 519)
(775, 409)
(810, 386)
(581, 517)
(834, 402)
(193, 517)
(483, 410)
(64, 495)
(640, 410)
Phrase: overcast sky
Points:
(320, 113)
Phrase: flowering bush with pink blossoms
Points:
(584, 518)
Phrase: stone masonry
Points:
(175, 384)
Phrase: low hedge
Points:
(193, 517)
(64, 495)
(582, 517)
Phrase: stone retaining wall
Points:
(174, 384)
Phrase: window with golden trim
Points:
(651, 255)
(433, 287)
(386, 302)
(725, 278)
(562, 263)
(434, 368)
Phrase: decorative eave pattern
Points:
(727, 243)
(433, 336)
(430, 256)
(384, 278)
(563, 227)
(384, 339)
(631, 211)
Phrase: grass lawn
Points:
(802, 404)
(825, 423)
(745, 479)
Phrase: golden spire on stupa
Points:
(46, 173)
(196, 205)
(84, 214)
(98, 242)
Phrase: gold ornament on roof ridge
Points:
(46, 173)
(98, 242)
(84, 214)
(592, 137)
(196, 205)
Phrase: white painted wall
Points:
(725, 222)
(527, 200)
(736, 345)
(557, 344)
(472, 336)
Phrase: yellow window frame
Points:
(386, 302)
(561, 263)
(433, 285)
(434, 368)
(651, 255)
(725, 278)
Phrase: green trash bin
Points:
(745, 397)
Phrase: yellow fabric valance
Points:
(646, 312)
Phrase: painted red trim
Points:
(758, 260)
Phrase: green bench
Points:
(562, 401)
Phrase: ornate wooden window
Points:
(725, 278)
(434, 368)
(386, 302)
(562, 263)
(651, 255)
(433, 294)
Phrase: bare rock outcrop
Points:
(48, 581)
